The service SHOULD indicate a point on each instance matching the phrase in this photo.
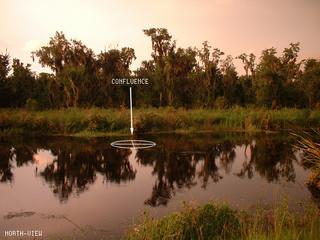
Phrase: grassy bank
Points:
(212, 221)
(95, 122)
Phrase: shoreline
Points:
(96, 122)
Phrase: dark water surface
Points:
(84, 188)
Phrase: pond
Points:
(85, 188)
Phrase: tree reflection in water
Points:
(75, 167)
(271, 159)
(19, 154)
(176, 163)
(172, 170)
(6, 159)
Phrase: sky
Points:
(234, 26)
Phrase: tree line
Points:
(179, 77)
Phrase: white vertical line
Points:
(131, 118)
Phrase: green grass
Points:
(100, 122)
(214, 221)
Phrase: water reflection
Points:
(74, 168)
(6, 157)
(178, 162)
(271, 159)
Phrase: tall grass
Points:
(281, 223)
(309, 143)
(95, 120)
(64, 121)
(214, 221)
(209, 221)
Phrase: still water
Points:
(84, 188)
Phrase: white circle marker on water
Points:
(135, 144)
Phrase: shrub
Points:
(209, 221)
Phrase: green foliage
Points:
(212, 221)
(21, 84)
(275, 77)
(107, 121)
(4, 66)
(4, 85)
(310, 81)
(179, 77)
(209, 221)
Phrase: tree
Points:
(248, 62)
(230, 81)
(114, 63)
(212, 75)
(71, 62)
(42, 89)
(247, 93)
(147, 95)
(179, 77)
(184, 65)
(56, 54)
(290, 70)
(21, 82)
(4, 87)
(269, 81)
(310, 81)
(162, 47)
(276, 76)
(289, 63)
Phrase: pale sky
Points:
(234, 26)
